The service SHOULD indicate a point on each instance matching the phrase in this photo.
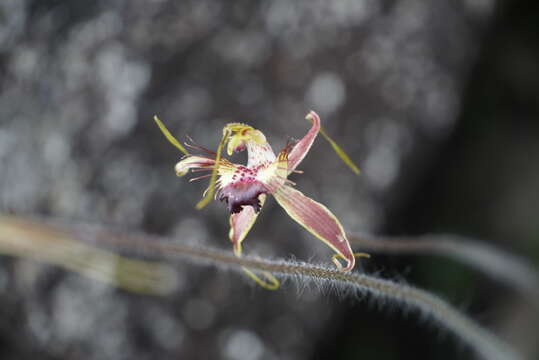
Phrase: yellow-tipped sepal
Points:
(169, 136)
(213, 179)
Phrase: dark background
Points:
(436, 101)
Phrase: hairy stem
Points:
(485, 344)
(501, 266)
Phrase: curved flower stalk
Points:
(382, 292)
(244, 188)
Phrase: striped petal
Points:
(318, 220)
(241, 223)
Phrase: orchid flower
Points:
(245, 188)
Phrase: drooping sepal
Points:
(318, 220)
(208, 194)
(269, 283)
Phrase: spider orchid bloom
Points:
(244, 189)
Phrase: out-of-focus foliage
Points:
(49, 245)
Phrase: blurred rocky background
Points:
(437, 101)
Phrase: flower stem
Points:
(501, 266)
(484, 343)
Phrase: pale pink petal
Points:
(259, 154)
(193, 162)
(241, 223)
(303, 146)
(318, 220)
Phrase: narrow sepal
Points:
(271, 282)
(169, 136)
(303, 146)
(343, 155)
(211, 188)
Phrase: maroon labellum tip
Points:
(242, 194)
